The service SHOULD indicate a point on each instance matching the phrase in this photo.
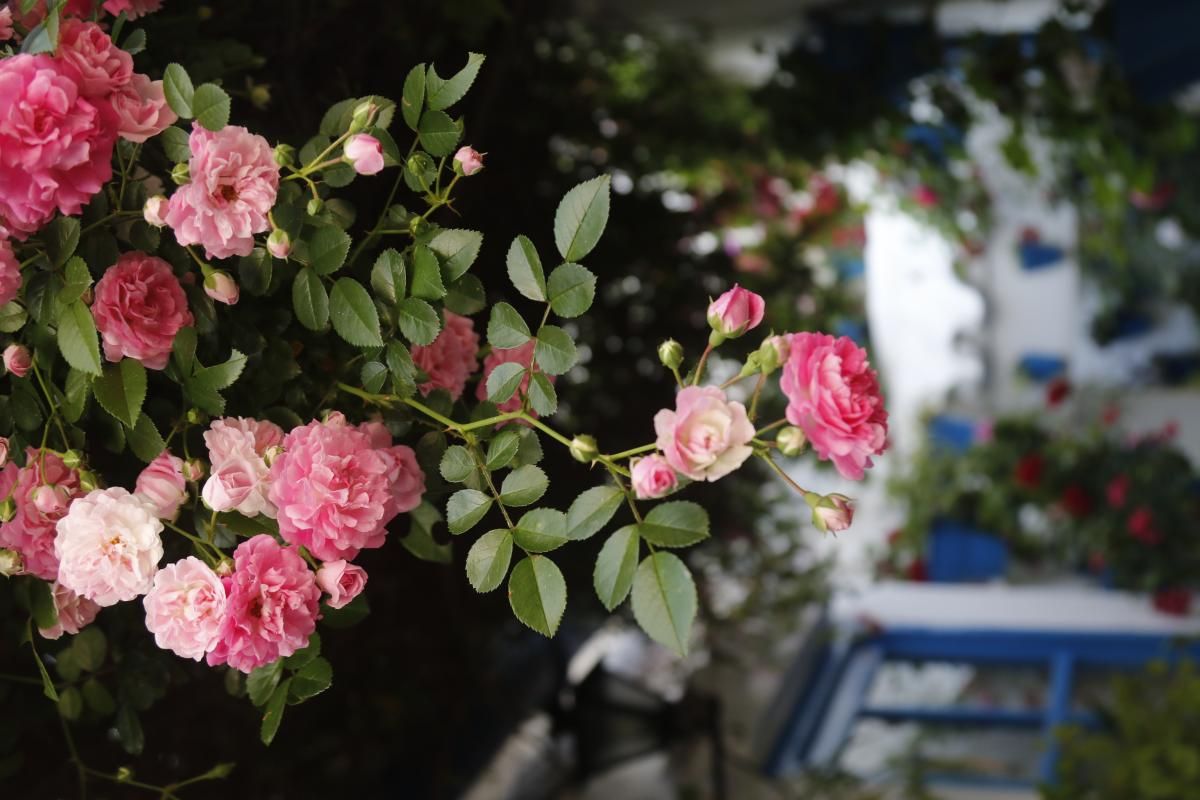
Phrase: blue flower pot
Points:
(961, 554)
(1036, 256)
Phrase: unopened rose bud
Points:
(584, 448)
(193, 470)
(670, 353)
(224, 567)
(88, 481)
(3, 451)
(831, 513)
(11, 563)
(260, 96)
(772, 353)
(416, 225)
(735, 312)
(285, 155)
(50, 500)
(753, 365)
(791, 441)
(364, 153)
(221, 287)
(17, 360)
(468, 161)
(125, 773)
(72, 458)
(272, 453)
(8, 508)
(181, 174)
(195, 416)
(314, 206)
(279, 244)
(155, 211)
(364, 114)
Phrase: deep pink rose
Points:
(735, 312)
(652, 477)
(161, 484)
(520, 355)
(72, 8)
(90, 56)
(142, 109)
(833, 396)
(335, 489)
(468, 160)
(706, 437)
(234, 180)
(185, 608)
(1117, 491)
(139, 308)
(364, 153)
(451, 358)
(17, 360)
(132, 8)
(10, 273)
(55, 145)
(31, 531)
(74, 612)
(272, 606)
(342, 581)
(6, 24)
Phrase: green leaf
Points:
(676, 524)
(327, 250)
(465, 508)
(61, 237)
(313, 678)
(427, 274)
(581, 217)
(177, 87)
(541, 530)
(70, 703)
(135, 42)
(129, 730)
(488, 560)
(305, 654)
(412, 102)
(523, 486)
(175, 144)
(261, 683)
(615, 566)
(502, 449)
(445, 93)
(458, 249)
(530, 451)
(418, 321)
(373, 375)
(90, 648)
(555, 350)
(12, 317)
(457, 464)
(183, 349)
(121, 390)
(210, 105)
(47, 685)
(664, 600)
(310, 300)
(41, 604)
(525, 269)
(438, 133)
(506, 328)
(592, 510)
(419, 540)
(388, 277)
(98, 698)
(542, 395)
(572, 289)
(78, 387)
(273, 714)
(538, 594)
(255, 271)
(400, 364)
(77, 338)
(78, 279)
(144, 440)
(219, 376)
(504, 381)
(466, 296)
(353, 314)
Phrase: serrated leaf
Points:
(581, 217)
(592, 510)
(90, 647)
(327, 250)
(77, 389)
(388, 277)
(506, 329)
(61, 237)
(210, 105)
(310, 300)
(273, 714)
(183, 349)
(427, 274)
(412, 102)
(615, 567)
(420, 541)
(77, 338)
(571, 289)
(400, 364)
(466, 296)
(437, 133)
(178, 90)
(488, 560)
(12, 317)
(135, 42)
(144, 440)
(555, 350)
(502, 449)
(121, 390)
(678, 523)
(542, 396)
(664, 600)
(456, 465)
(220, 376)
(465, 508)
(445, 93)
(305, 654)
(504, 381)
(418, 321)
(523, 486)
(353, 314)
(458, 248)
(525, 269)
(541, 530)
(175, 144)
(261, 683)
(310, 680)
(537, 594)
(77, 280)
(255, 271)
(373, 375)
(530, 450)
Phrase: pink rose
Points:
(139, 308)
(31, 531)
(520, 355)
(50, 500)
(272, 607)
(185, 608)
(74, 613)
(141, 109)
(108, 546)
(336, 489)
(468, 160)
(90, 56)
(833, 396)
(4, 445)
(237, 448)
(231, 436)
(342, 581)
(161, 484)
(55, 145)
(1117, 491)
(155, 210)
(10, 273)
(234, 180)
(451, 358)
(6, 24)
(17, 360)
(652, 477)
(132, 8)
(364, 153)
(735, 312)
(706, 437)
(72, 8)
(220, 286)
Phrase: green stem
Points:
(546, 429)
(776, 424)
(80, 770)
(678, 377)
(477, 457)
(758, 387)
(779, 471)
(701, 364)
(164, 792)
(210, 551)
(484, 423)
(625, 490)
(4, 676)
(735, 379)
(107, 219)
(646, 448)
(37, 373)
(429, 412)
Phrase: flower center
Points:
(228, 193)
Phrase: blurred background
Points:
(998, 199)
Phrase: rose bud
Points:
(181, 174)
(773, 352)
(284, 155)
(11, 563)
(584, 448)
(50, 500)
(17, 359)
(364, 153)
(831, 513)
(735, 312)
(468, 161)
(3, 451)
(220, 286)
(670, 353)
(791, 441)
(163, 485)
(652, 477)
(8, 508)
(155, 211)
(193, 470)
(279, 244)
(341, 581)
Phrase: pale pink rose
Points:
(55, 145)
(139, 308)
(234, 180)
(279, 244)
(17, 360)
(108, 546)
(364, 153)
(10, 273)
(31, 532)
(142, 110)
(652, 477)
(6, 24)
(706, 437)
(74, 613)
(154, 212)
(469, 160)
(272, 607)
(231, 436)
(132, 8)
(452, 357)
(735, 312)
(521, 355)
(161, 484)
(51, 500)
(90, 56)
(220, 286)
(342, 581)
(336, 490)
(833, 396)
(832, 513)
(239, 484)
(4, 451)
(185, 608)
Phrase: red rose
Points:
(1173, 601)
(1141, 527)
(1057, 391)
(1076, 501)
(1029, 471)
